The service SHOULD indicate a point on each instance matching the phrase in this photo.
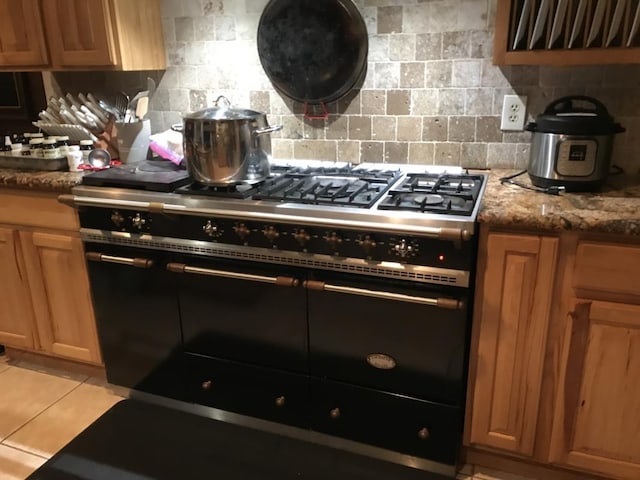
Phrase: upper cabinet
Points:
(81, 34)
(567, 32)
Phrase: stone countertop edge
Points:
(55, 181)
(615, 208)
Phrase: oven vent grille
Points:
(415, 274)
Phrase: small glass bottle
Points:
(85, 147)
(63, 144)
(49, 149)
(6, 148)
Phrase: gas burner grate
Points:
(432, 193)
(338, 186)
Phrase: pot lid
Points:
(224, 111)
(313, 51)
(576, 115)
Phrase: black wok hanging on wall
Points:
(313, 51)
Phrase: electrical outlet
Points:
(514, 110)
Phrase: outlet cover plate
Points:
(514, 112)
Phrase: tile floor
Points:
(41, 410)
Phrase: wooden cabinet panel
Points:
(60, 291)
(607, 267)
(516, 293)
(79, 32)
(597, 419)
(35, 209)
(21, 37)
(16, 315)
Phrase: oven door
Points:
(137, 318)
(243, 311)
(388, 335)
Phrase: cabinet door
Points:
(597, 419)
(79, 32)
(21, 38)
(515, 298)
(16, 315)
(61, 299)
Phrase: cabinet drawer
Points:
(424, 429)
(254, 391)
(36, 209)
(607, 267)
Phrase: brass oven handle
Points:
(448, 303)
(281, 281)
(131, 262)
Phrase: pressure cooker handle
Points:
(177, 127)
(566, 105)
(269, 129)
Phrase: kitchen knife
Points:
(558, 21)
(541, 21)
(596, 23)
(634, 26)
(577, 24)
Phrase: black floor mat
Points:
(135, 440)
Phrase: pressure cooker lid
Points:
(223, 111)
(576, 115)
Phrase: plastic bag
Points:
(168, 145)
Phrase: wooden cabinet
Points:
(81, 34)
(45, 302)
(600, 35)
(556, 352)
(515, 296)
(596, 419)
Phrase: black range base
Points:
(140, 441)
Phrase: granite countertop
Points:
(614, 209)
(39, 180)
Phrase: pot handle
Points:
(223, 102)
(269, 129)
(565, 105)
(177, 127)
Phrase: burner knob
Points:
(301, 236)
(367, 243)
(405, 249)
(271, 233)
(241, 230)
(117, 218)
(138, 222)
(333, 239)
(211, 229)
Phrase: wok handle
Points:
(269, 129)
(309, 113)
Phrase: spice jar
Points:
(49, 148)
(35, 146)
(85, 147)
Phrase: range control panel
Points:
(335, 242)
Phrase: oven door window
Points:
(361, 336)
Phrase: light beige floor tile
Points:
(482, 473)
(17, 465)
(25, 394)
(60, 423)
(48, 370)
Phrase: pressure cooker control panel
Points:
(576, 158)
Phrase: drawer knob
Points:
(207, 384)
(334, 413)
(280, 401)
(423, 433)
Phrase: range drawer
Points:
(607, 267)
(419, 428)
(249, 390)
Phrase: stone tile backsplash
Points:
(431, 94)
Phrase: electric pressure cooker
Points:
(572, 144)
